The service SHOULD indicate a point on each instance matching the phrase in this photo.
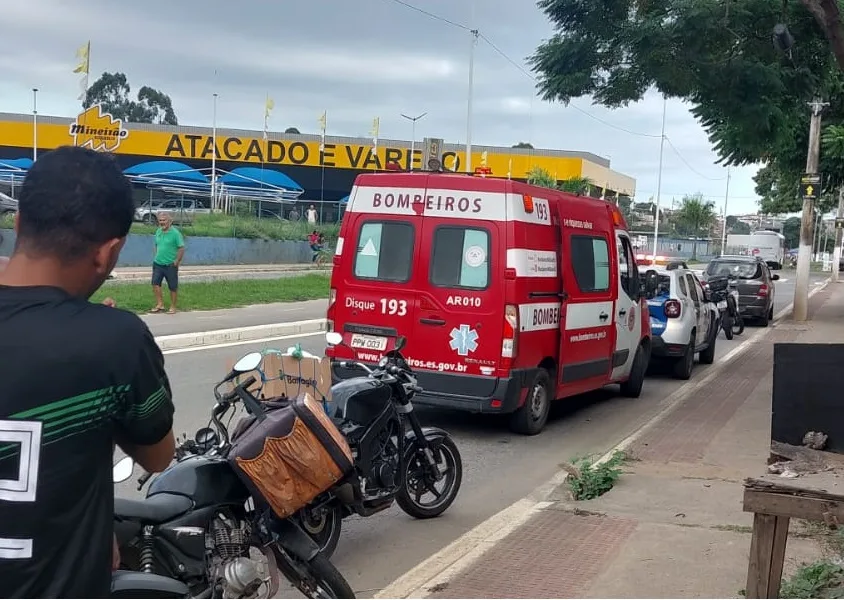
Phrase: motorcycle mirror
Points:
(122, 470)
(334, 338)
(205, 437)
(250, 362)
(401, 342)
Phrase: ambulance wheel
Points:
(632, 388)
(531, 417)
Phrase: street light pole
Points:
(804, 254)
(473, 42)
(34, 124)
(726, 200)
(659, 178)
(412, 138)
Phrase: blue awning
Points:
(254, 177)
(166, 172)
(15, 164)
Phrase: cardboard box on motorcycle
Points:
(290, 374)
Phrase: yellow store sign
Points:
(100, 131)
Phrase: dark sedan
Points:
(755, 284)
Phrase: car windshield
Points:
(739, 269)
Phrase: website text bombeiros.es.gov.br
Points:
(420, 364)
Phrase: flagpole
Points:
(474, 42)
(214, 155)
(34, 124)
(322, 165)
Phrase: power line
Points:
(528, 74)
(690, 167)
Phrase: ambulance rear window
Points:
(591, 262)
(460, 258)
(384, 251)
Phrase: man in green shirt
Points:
(169, 251)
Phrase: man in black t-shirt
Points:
(75, 378)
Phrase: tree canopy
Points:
(292, 130)
(717, 55)
(112, 90)
(526, 145)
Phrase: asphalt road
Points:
(499, 467)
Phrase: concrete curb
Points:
(239, 334)
(463, 552)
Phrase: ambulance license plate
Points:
(369, 342)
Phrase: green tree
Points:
(541, 177)
(573, 185)
(112, 91)
(791, 231)
(736, 226)
(719, 57)
(292, 130)
(695, 217)
(526, 145)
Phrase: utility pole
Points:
(836, 252)
(726, 200)
(659, 178)
(801, 289)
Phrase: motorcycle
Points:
(724, 291)
(200, 525)
(395, 458)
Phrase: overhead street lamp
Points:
(412, 138)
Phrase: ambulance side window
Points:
(590, 257)
(627, 268)
(471, 270)
(384, 251)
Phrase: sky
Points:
(356, 60)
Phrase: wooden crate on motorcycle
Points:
(292, 455)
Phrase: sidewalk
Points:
(217, 272)
(673, 525)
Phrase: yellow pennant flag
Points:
(83, 59)
(269, 107)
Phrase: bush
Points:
(268, 228)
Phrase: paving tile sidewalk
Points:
(673, 526)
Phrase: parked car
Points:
(182, 211)
(684, 321)
(7, 205)
(755, 284)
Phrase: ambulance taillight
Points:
(329, 321)
(510, 338)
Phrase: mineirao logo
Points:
(97, 130)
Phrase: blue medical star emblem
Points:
(464, 340)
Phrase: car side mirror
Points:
(707, 297)
(775, 277)
(651, 283)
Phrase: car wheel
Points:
(707, 357)
(531, 417)
(685, 364)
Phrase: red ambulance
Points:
(509, 295)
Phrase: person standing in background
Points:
(169, 251)
(312, 215)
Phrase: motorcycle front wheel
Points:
(738, 325)
(317, 578)
(323, 525)
(419, 481)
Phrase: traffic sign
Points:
(810, 186)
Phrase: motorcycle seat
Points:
(158, 508)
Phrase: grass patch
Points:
(7, 221)
(210, 295)
(235, 226)
(587, 480)
(822, 579)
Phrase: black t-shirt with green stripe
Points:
(75, 378)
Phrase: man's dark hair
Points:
(72, 200)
